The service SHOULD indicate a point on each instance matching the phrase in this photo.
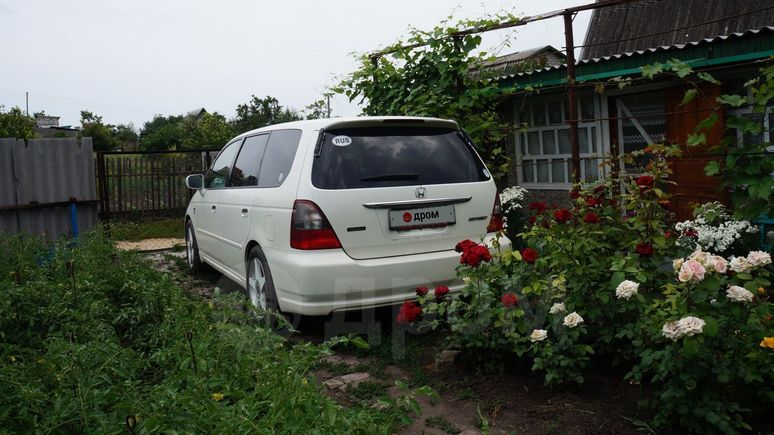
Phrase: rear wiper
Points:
(391, 177)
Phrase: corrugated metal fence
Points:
(39, 181)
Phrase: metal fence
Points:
(47, 186)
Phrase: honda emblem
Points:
(420, 192)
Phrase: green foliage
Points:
(106, 137)
(444, 79)
(15, 124)
(93, 338)
(162, 133)
(260, 112)
(208, 131)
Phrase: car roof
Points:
(360, 121)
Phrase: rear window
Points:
(357, 158)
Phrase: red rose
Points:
(529, 255)
(591, 218)
(408, 312)
(509, 300)
(645, 182)
(475, 255)
(691, 233)
(644, 249)
(599, 189)
(593, 202)
(440, 291)
(421, 291)
(464, 245)
(668, 235)
(532, 220)
(574, 194)
(562, 215)
(539, 207)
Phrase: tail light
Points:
(310, 229)
(496, 222)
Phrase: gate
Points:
(143, 185)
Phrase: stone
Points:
(333, 383)
(446, 357)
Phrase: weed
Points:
(440, 422)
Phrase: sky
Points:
(128, 60)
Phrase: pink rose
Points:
(720, 265)
(691, 270)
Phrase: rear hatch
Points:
(397, 189)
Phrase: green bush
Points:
(92, 339)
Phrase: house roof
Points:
(734, 47)
(648, 24)
(530, 59)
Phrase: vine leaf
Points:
(732, 100)
(690, 94)
(712, 168)
(707, 77)
(651, 70)
(695, 139)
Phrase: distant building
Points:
(46, 121)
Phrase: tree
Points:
(16, 124)
(442, 78)
(258, 113)
(210, 130)
(102, 136)
(318, 109)
(162, 133)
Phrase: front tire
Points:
(192, 249)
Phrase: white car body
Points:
(376, 264)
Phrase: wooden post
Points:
(102, 186)
(572, 99)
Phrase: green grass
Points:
(155, 229)
(90, 336)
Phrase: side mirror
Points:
(195, 181)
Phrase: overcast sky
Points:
(128, 60)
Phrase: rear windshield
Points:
(357, 158)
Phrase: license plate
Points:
(425, 217)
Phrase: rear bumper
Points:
(320, 282)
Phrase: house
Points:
(730, 39)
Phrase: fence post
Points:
(103, 188)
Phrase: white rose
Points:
(740, 264)
(690, 325)
(572, 320)
(758, 258)
(702, 257)
(671, 330)
(538, 335)
(677, 263)
(691, 270)
(626, 289)
(557, 308)
(739, 294)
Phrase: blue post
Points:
(73, 217)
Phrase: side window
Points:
(217, 176)
(245, 171)
(279, 157)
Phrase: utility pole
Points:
(27, 103)
(572, 98)
(328, 99)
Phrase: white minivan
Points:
(317, 216)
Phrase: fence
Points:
(47, 186)
(143, 185)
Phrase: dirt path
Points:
(509, 401)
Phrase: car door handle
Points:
(213, 208)
(244, 212)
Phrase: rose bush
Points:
(609, 281)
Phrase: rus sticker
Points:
(342, 141)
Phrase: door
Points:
(390, 191)
(235, 214)
(208, 220)
(693, 187)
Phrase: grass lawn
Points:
(152, 229)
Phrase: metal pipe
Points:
(572, 99)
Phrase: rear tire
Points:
(260, 285)
(195, 264)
